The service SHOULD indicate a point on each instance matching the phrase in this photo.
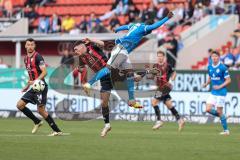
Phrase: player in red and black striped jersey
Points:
(36, 68)
(165, 77)
(91, 54)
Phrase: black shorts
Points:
(106, 84)
(163, 98)
(36, 98)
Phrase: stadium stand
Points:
(86, 13)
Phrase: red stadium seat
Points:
(18, 2)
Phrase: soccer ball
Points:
(38, 85)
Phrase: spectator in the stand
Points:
(114, 22)
(43, 25)
(67, 59)
(180, 42)
(163, 11)
(237, 11)
(152, 12)
(31, 14)
(231, 7)
(198, 12)
(148, 13)
(179, 13)
(217, 6)
(229, 59)
(2, 64)
(236, 35)
(98, 28)
(32, 3)
(133, 13)
(75, 31)
(68, 23)
(189, 6)
(144, 13)
(7, 8)
(186, 12)
(209, 55)
(56, 23)
(122, 7)
(172, 49)
(119, 7)
(92, 19)
(83, 25)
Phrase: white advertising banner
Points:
(187, 103)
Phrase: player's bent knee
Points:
(208, 108)
(154, 102)
(20, 104)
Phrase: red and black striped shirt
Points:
(94, 58)
(166, 71)
(33, 64)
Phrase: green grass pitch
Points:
(126, 141)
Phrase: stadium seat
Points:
(18, 3)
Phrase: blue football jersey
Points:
(135, 33)
(218, 74)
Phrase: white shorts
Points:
(217, 101)
(119, 58)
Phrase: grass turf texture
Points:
(126, 141)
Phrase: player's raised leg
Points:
(181, 122)
(159, 122)
(21, 105)
(105, 112)
(210, 109)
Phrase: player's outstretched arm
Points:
(207, 83)
(159, 23)
(122, 28)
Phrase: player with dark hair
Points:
(91, 54)
(219, 78)
(120, 55)
(164, 76)
(36, 68)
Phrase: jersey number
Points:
(133, 28)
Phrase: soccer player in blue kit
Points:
(219, 78)
(120, 55)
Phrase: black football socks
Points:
(52, 124)
(30, 115)
(157, 112)
(175, 113)
(105, 113)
